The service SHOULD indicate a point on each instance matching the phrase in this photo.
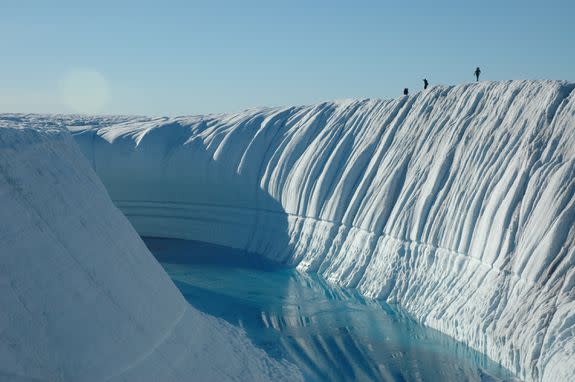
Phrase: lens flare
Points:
(85, 91)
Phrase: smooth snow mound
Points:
(82, 299)
(457, 203)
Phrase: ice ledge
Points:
(485, 171)
(458, 202)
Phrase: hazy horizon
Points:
(178, 57)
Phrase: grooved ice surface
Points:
(458, 203)
(81, 297)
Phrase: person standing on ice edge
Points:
(477, 73)
(425, 83)
(405, 91)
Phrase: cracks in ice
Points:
(134, 205)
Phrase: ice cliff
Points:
(81, 297)
(458, 203)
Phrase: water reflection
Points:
(332, 334)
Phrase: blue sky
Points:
(193, 57)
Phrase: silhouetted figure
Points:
(406, 91)
(425, 83)
(477, 73)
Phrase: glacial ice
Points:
(81, 297)
(458, 203)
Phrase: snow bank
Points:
(458, 203)
(82, 298)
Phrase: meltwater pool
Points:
(330, 333)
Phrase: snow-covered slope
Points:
(81, 297)
(457, 203)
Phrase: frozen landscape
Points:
(82, 298)
(457, 204)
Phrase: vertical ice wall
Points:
(458, 203)
(81, 297)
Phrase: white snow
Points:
(81, 297)
(458, 203)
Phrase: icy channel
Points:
(330, 333)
